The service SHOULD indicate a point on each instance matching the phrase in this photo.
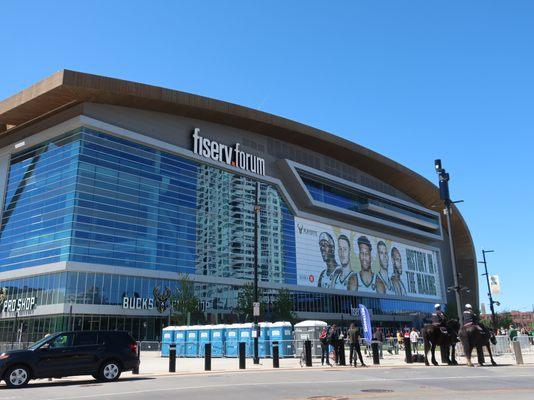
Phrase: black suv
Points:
(104, 355)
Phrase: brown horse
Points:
(433, 336)
(474, 338)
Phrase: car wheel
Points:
(110, 371)
(17, 376)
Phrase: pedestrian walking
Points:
(354, 345)
(414, 339)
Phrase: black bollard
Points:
(276, 355)
(408, 352)
(135, 370)
(172, 357)
(342, 360)
(480, 355)
(207, 357)
(376, 354)
(444, 350)
(242, 355)
(307, 353)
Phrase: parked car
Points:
(104, 355)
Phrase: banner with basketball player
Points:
(336, 258)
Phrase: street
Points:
(504, 382)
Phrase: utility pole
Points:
(492, 308)
(255, 307)
(444, 195)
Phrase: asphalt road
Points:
(505, 382)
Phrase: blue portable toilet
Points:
(179, 339)
(282, 332)
(264, 342)
(191, 341)
(218, 333)
(245, 335)
(231, 339)
(167, 337)
(204, 336)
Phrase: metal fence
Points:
(6, 346)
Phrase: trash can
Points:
(167, 337)
(309, 330)
(191, 344)
(264, 342)
(217, 340)
(231, 340)
(204, 336)
(282, 332)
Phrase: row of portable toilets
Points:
(225, 339)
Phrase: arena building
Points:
(112, 191)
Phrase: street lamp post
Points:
(492, 308)
(256, 239)
(444, 195)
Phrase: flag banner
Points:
(366, 323)
(495, 284)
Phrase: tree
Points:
(245, 302)
(502, 320)
(282, 307)
(184, 301)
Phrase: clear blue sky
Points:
(413, 80)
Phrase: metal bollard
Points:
(172, 357)
(307, 353)
(517, 352)
(207, 357)
(276, 355)
(408, 352)
(376, 353)
(342, 359)
(242, 355)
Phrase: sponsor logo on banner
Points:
(223, 153)
(336, 258)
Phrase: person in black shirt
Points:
(334, 341)
(354, 342)
(323, 337)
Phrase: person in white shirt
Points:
(414, 339)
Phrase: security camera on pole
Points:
(444, 195)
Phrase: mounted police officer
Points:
(438, 317)
(470, 318)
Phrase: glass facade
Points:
(88, 288)
(94, 198)
(353, 200)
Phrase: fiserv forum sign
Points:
(226, 154)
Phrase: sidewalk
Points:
(153, 364)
